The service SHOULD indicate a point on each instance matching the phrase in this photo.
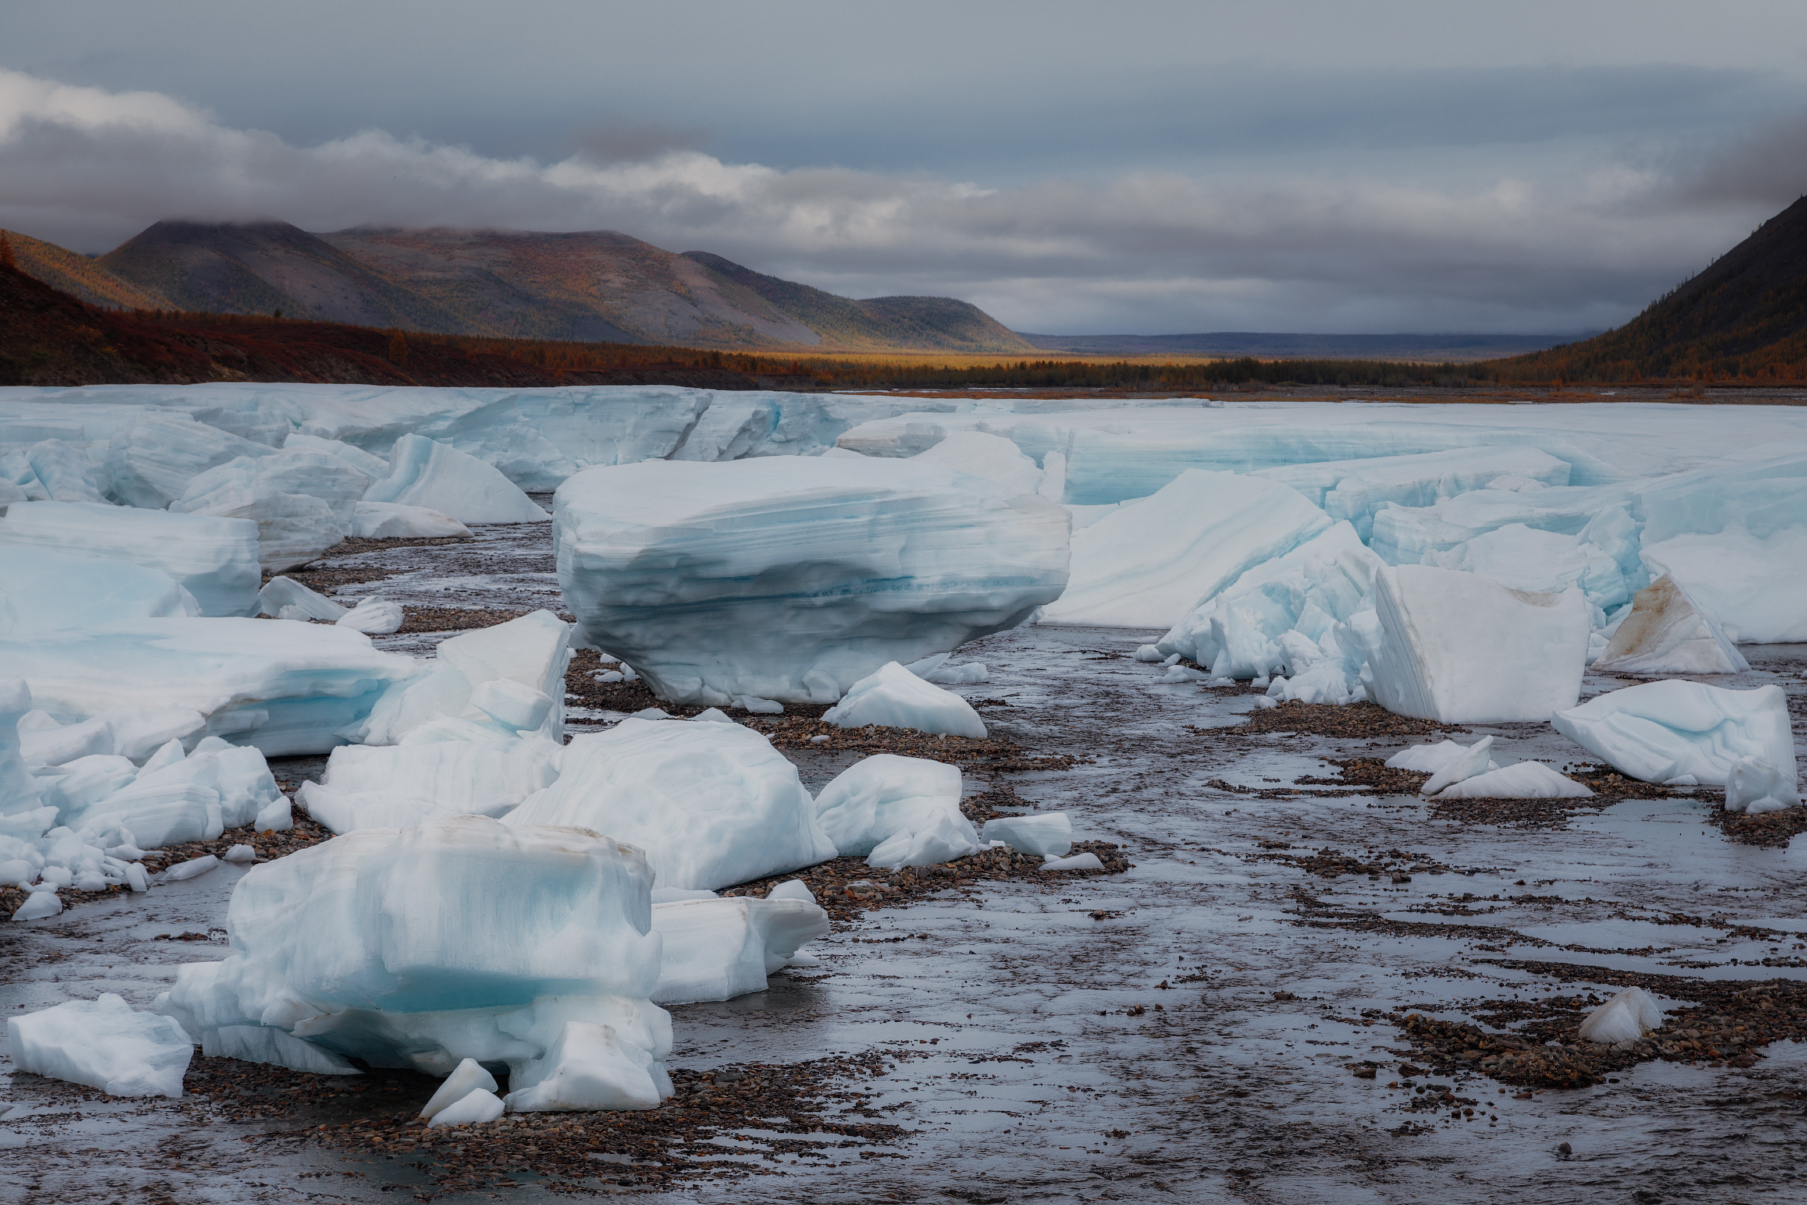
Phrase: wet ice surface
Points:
(1029, 1078)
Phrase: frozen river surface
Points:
(1195, 1029)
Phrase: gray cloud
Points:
(607, 142)
(1766, 169)
(1582, 244)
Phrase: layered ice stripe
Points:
(47, 590)
(214, 559)
(283, 687)
(1356, 489)
(793, 579)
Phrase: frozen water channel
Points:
(1190, 1030)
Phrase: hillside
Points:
(49, 337)
(595, 286)
(1743, 317)
(80, 276)
(879, 324)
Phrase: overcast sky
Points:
(1280, 165)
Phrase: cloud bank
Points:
(1135, 251)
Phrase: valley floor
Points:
(1247, 1013)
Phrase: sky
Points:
(1330, 166)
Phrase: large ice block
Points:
(153, 461)
(424, 472)
(989, 456)
(302, 501)
(1541, 562)
(1755, 587)
(282, 687)
(1459, 648)
(794, 579)
(530, 651)
(722, 948)
(396, 786)
(46, 590)
(893, 697)
(464, 938)
(1664, 731)
(1667, 634)
(882, 795)
(1356, 489)
(711, 805)
(215, 560)
(105, 1044)
(65, 470)
(1147, 564)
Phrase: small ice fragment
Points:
(610, 675)
(1471, 761)
(105, 1044)
(1173, 660)
(716, 715)
(822, 739)
(651, 713)
(1754, 787)
(1622, 1020)
(38, 905)
(1085, 861)
(792, 889)
(475, 1108)
(1526, 780)
(241, 853)
(1181, 673)
(190, 869)
(1149, 653)
(1049, 834)
(468, 1077)
(758, 706)
(373, 617)
(1263, 702)
(275, 817)
(893, 697)
(135, 877)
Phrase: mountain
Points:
(1441, 348)
(1744, 316)
(80, 276)
(50, 337)
(595, 286)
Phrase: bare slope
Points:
(80, 276)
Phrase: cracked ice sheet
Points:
(1031, 964)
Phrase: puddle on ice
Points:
(1185, 1031)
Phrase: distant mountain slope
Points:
(881, 323)
(1279, 346)
(261, 267)
(593, 286)
(1745, 316)
(80, 276)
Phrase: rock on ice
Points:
(793, 579)
(458, 939)
(1664, 731)
(894, 697)
(710, 804)
(1458, 648)
(1146, 564)
(426, 473)
(1667, 634)
(104, 1044)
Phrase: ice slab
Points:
(1434, 759)
(1751, 585)
(282, 687)
(711, 805)
(1667, 634)
(425, 472)
(1459, 648)
(65, 471)
(151, 462)
(530, 651)
(46, 590)
(1543, 562)
(466, 1078)
(1357, 489)
(1044, 833)
(192, 798)
(214, 559)
(1755, 786)
(1526, 780)
(1622, 1020)
(396, 786)
(894, 697)
(477, 1107)
(1149, 563)
(372, 466)
(718, 949)
(793, 580)
(1662, 731)
(286, 598)
(459, 939)
(104, 1044)
(373, 616)
(392, 520)
(302, 501)
(882, 795)
(1461, 765)
(989, 456)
